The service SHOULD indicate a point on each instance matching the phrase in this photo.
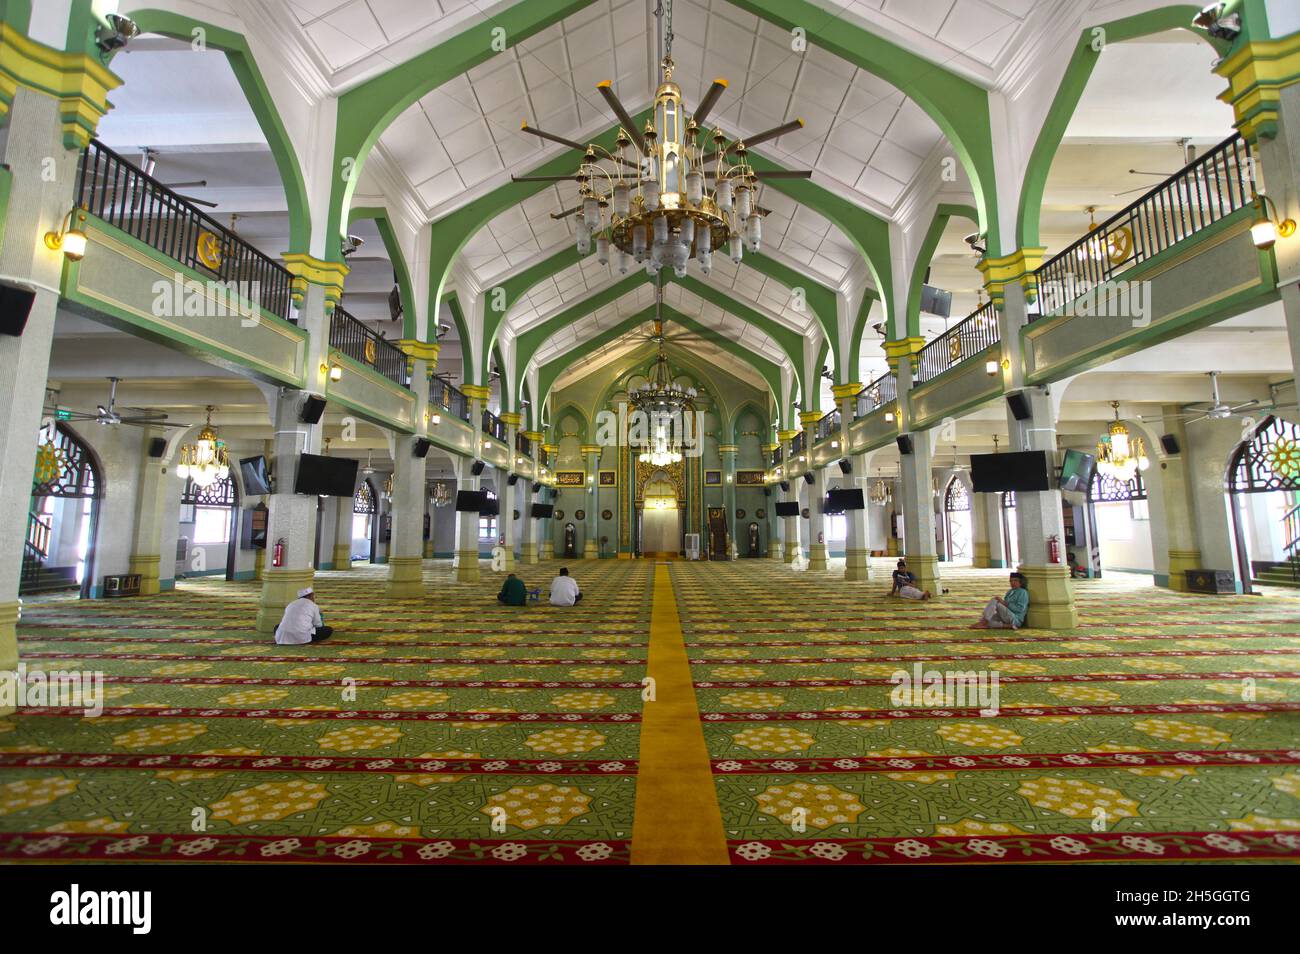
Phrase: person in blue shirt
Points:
(1003, 612)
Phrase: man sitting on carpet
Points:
(564, 589)
(1007, 611)
(513, 592)
(905, 584)
(302, 622)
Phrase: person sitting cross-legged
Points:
(513, 592)
(301, 622)
(1006, 612)
(564, 589)
(905, 584)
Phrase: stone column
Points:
(1182, 525)
(529, 529)
(510, 495)
(545, 528)
(467, 568)
(45, 132)
(789, 525)
(150, 499)
(983, 513)
(728, 454)
(915, 495)
(590, 546)
(857, 543)
(406, 546)
(773, 523)
(816, 496)
(1039, 514)
(343, 534)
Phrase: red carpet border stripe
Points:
(932, 763)
(1006, 712)
(358, 715)
(316, 763)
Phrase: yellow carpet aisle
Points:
(453, 730)
(1129, 739)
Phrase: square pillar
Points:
(406, 548)
(590, 545)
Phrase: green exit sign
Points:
(63, 414)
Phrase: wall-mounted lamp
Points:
(835, 445)
(336, 372)
(435, 417)
(69, 240)
(1266, 229)
(487, 444)
(992, 366)
(889, 417)
(729, 478)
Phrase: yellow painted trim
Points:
(309, 270)
(677, 819)
(1256, 73)
(535, 437)
(79, 81)
(589, 449)
(419, 350)
(511, 418)
(1019, 266)
(768, 448)
(786, 436)
(475, 392)
(727, 448)
(842, 391)
(900, 348)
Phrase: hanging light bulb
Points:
(650, 192)
(695, 187)
(744, 203)
(723, 196)
(661, 231)
(622, 201)
(706, 262)
(638, 243)
(591, 212)
(754, 233)
(584, 238)
(687, 234)
(737, 249)
(602, 249)
(622, 261)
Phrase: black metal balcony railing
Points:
(1203, 192)
(829, 425)
(798, 443)
(882, 391)
(443, 394)
(112, 189)
(777, 456)
(493, 426)
(356, 340)
(963, 340)
(523, 446)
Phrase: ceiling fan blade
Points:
(1197, 420)
(193, 201)
(774, 174)
(566, 213)
(1116, 195)
(775, 132)
(194, 184)
(612, 100)
(1241, 407)
(543, 134)
(709, 101)
(547, 178)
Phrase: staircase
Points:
(37, 577)
(1286, 573)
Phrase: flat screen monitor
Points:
(470, 501)
(1076, 470)
(1023, 471)
(787, 508)
(543, 511)
(840, 499)
(256, 480)
(491, 505)
(326, 476)
(936, 301)
(395, 303)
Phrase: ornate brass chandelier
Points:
(204, 461)
(669, 201)
(1119, 455)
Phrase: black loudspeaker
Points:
(808, 478)
(157, 447)
(846, 466)
(537, 488)
(1170, 444)
(785, 486)
(1019, 405)
(512, 479)
(312, 409)
(15, 306)
(904, 443)
(422, 446)
(767, 491)
(476, 468)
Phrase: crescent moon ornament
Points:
(208, 249)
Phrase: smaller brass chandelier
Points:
(881, 492)
(440, 497)
(1119, 455)
(204, 461)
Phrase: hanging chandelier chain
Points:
(668, 29)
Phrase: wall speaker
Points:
(785, 486)
(157, 447)
(512, 479)
(846, 466)
(1019, 405)
(808, 478)
(904, 443)
(476, 468)
(1170, 444)
(15, 305)
(422, 446)
(537, 488)
(767, 491)
(312, 409)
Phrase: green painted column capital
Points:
(79, 81)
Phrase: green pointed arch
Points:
(260, 100)
(462, 330)
(398, 260)
(855, 340)
(945, 212)
(1070, 90)
(763, 415)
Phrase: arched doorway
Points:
(660, 518)
(63, 516)
(208, 528)
(365, 526)
(1010, 530)
(957, 521)
(1121, 523)
(1264, 494)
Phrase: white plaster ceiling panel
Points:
(347, 32)
(978, 30)
(558, 292)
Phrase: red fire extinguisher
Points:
(277, 555)
(1053, 549)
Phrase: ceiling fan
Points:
(1215, 409)
(109, 416)
(1189, 156)
(149, 160)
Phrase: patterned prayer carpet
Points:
(453, 730)
(1166, 727)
